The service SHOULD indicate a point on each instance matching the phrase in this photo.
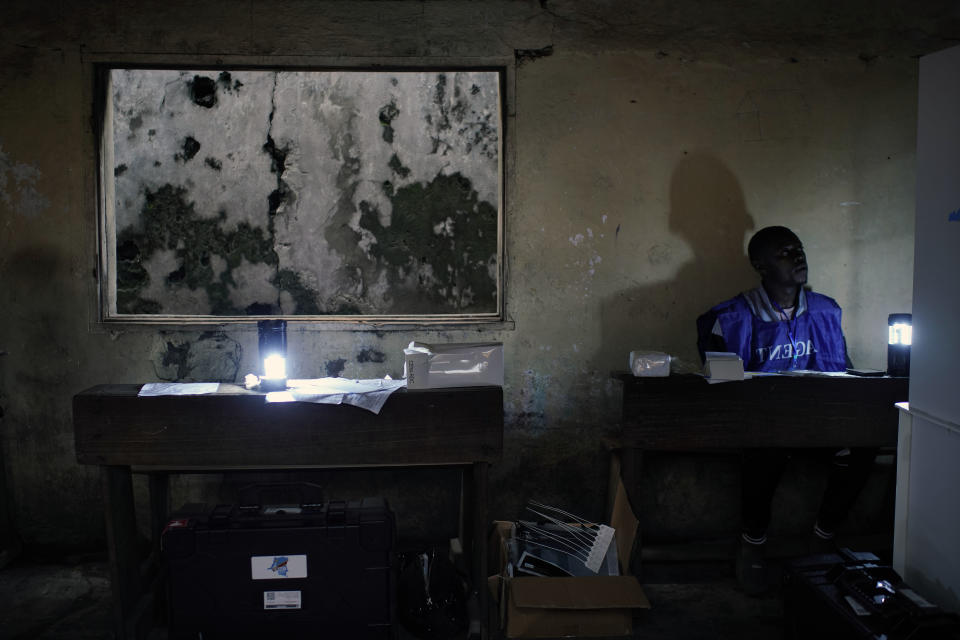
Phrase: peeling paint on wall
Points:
(213, 356)
(531, 405)
(526, 55)
(587, 241)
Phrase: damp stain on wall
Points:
(530, 409)
(189, 149)
(203, 90)
(304, 297)
(176, 357)
(371, 355)
(388, 113)
(437, 247)
(283, 194)
(335, 367)
(170, 222)
(186, 357)
(527, 55)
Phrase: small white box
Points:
(432, 366)
(722, 365)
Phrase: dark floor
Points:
(68, 599)
(691, 589)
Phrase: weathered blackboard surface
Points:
(239, 192)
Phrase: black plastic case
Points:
(852, 595)
(306, 571)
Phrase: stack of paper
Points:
(369, 394)
(721, 366)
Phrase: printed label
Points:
(281, 599)
(858, 608)
(278, 567)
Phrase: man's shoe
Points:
(751, 568)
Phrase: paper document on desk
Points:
(369, 394)
(812, 373)
(178, 388)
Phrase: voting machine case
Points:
(852, 595)
(324, 570)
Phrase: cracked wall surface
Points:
(644, 142)
(306, 193)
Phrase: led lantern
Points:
(900, 332)
(273, 351)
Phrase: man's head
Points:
(777, 255)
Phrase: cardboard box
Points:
(433, 366)
(532, 607)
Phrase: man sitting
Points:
(775, 327)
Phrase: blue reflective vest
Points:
(812, 340)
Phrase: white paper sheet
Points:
(366, 394)
(812, 373)
(178, 388)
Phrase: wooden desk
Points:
(237, 429)
(685, 413)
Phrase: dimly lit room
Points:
(454, 319)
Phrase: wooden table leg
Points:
(159, 483)
(121, 529)
(473, 528)
(479, 564)
(10, 545)
(159, 505)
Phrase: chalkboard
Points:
(233, 193)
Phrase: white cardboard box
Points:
(723, 366)
(465, 364)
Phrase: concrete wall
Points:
(644, 147)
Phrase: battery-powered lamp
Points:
(273, 351)
(900, 332)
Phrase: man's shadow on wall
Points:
(708, 211)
